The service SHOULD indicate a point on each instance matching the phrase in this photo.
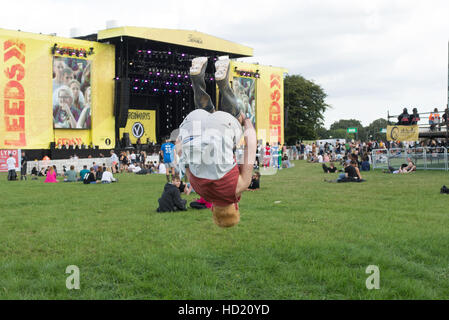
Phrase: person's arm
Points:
(178, 146)
(72, 121)
(82, 119)
(249, 156)
(358, 173)
(188, 190)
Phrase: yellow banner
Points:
(141, 124)
(27, 82)
(402, 133)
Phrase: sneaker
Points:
(197, 65)
(221, 67)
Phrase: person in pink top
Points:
(200, 203)
(51, 175)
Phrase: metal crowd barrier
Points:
(425, 158)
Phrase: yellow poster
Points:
(141, 124)
(402, 133)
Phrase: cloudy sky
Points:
(370, 56)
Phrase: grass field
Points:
(316, 243)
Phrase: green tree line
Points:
(304, 105)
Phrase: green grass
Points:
(315, 244)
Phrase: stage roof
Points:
(186, 38)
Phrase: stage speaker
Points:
(121, 101)
(126, 141)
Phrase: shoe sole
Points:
(197, 65)
(221, 67)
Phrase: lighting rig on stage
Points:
(162, 72)
(248, 74)
(164, 75)
(71, 52)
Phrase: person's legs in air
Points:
(201, 98)
(228, 102)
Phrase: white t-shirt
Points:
(11, 162)
(133, 156)
(208, 141)
(114, 158)
(137, 169)
(320, 158)
(162, 169)
(107, 176)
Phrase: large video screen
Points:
(245, 92)
(71, 93)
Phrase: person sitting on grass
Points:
(410, 167)
(71, 174)
(42, 172)
(99, 173)
(331, 169)
(83, 173)
(365, 166)
(286, 162)
(255, 182)
(107, 176)
(34, 173)
(185, 188)
(352, 174)
(404, 168)
(89, 178)
(51, 175)
(200, 204)
(171, 197)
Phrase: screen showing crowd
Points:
(245, 92)
(71, 93)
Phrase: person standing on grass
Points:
(267, 156)
(23, 168)
(207, 140)
(11, 163)
(168, 150)
(114, 161)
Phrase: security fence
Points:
(423, 157)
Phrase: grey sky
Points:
(369, 56)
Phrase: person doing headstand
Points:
(207, 140)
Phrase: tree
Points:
(341, 126)
(304, 102)
(373, 130)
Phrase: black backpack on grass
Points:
(444, 189)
